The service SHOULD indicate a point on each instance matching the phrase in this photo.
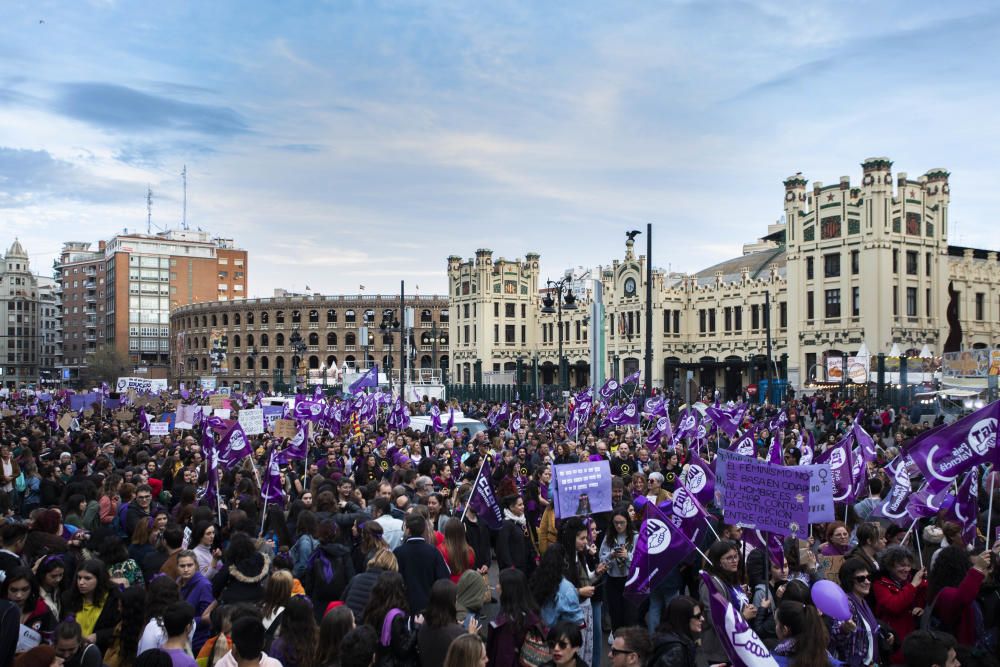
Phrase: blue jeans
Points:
(661, 596)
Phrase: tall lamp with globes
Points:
(564, 300)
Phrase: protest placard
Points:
(128, 385)
(284, 428)
(66, 421)
(159, 428)
(582, 488)
(271, 414)
(820, 492)
(124, 415)
(222, 413)
(767, 497)
(217, 401)
(252, 421)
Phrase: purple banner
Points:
(741, 643)
(839, 458)
(766, 497)
(582, 488)
(483, 500)
(944, 454)
(659, 548)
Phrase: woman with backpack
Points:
(517, 628)
(306, 527)
(328, 570)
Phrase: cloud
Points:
(30, 177)
(154, 155)
(300, 148)
(123, 109)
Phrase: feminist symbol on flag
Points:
(695, 479)
(658, 536)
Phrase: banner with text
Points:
(767, 497)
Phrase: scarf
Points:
(519, 520)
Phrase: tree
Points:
(106, 364)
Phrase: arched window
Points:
(236, 341)
(331, 316)
(250, 340)
(425, 338)
(349, 317)
(236, 363)
(369, 315)
(279, 363)
(350, 339)
(279, 317)
(295, 362)
(265, 317)
(314, 362)
(426, 361)
(204, 343)
(314, 338)
(349, 360)
(249, 318)
(313, 316)
(279, 339)
(204, 320)
(236, 319)
(225, 320)
(215, 321)
(425, 315)
(296, 317)
(331, 338)
(249, 363)
(264, 341)
(204, 364)
(331, 361)
(387, 340)
(265, 363)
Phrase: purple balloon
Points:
(830, 599)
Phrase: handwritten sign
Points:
(284, 428)
(124, 415)
(66, 421)
(767, 497)
(217, 401)
(252, 421)
(159, 428)
(133, 385)
(223, 413)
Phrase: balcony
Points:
(90, 284)
(350, 348)
(90, 298)
(90, 338)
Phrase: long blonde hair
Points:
(385, 560)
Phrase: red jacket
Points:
(956, 603)
(894, 605)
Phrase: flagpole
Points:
(989, 513)
(920, 553)
(908, 531)
(475, 482)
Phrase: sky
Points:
(361, 143)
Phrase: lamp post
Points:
(322, 371)
(434, 350)
(388, 326)
(252, 355)
(564, 300)
(299, 347)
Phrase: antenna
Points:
(149, 209)
(184, 176)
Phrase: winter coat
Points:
(359, 591)
(894, 605)
(242, 581)
(327, 574)
(673, 650)
(504, 640)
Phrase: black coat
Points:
(673, 650)
(330, 569)
(420, 565)
(243, 581)
(477, 534)
(514, 549)
(359, 592)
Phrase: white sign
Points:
(208, 383)
(159, 428)
(225, 391)
(140, 385)
(223, 412)
(252, 421)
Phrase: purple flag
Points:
(311, 410)
(143, 419)
(630, 379)
(744, 647)
(210, 451)
(774, 452)
(660, 431)
(944, 454)
(436, 424)
(894, 506)
(729, 420)
(655, 407)
(660, 548)
(271, 490)
(772, 542)
(609, 389)
(747, 444)
(925, 503)
(864, 440)
(515, 421)
(965, 508)
(544, 417)
(839, 458)
(483, 500)
(234, 447)
(699, 479)
(298, 446)
(807, 446)
(368, 379)
(687, 514)
(778, 422)
(318, 393)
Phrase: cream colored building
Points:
(850, 268)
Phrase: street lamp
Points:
(388, 326)
(549, 305)
(434, 349)
(299, 347)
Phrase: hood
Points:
(251, 570)
(335, 550)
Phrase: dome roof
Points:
(17, 250)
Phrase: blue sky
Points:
(347, 143)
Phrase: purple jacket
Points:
(503, 642)
(198, 593)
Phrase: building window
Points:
(831, 265)
(895, 301)
(496, 309)
(510, 310)
(855, 262)
(508, 334)
(809, 268)
(911, 301)
(711, 320)
(855, 301)
(677, 321)
(980, 306)
(912, 263)
(738, 318)
(832, 303)
(701, 321)
(496, 333)
(810, 308)
(895, 261)
(927, 302)
(754, 317)
(524, 334)
(727, 317)
(929, 264)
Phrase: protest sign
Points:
(284, 428)
(66, 421)
(159, 428)
(582, 488)
(223, 413)
(820, 492)
(216, 401)
(88, 413)
(767, 497)
(828, 567)
(271, 414)
(124, 415)
(125, 385)
(207, 383)
(252, 421)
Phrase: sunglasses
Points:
(561, 644)
(862, 577)
(700, 616)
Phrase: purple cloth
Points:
(179, 658)
(198, 593)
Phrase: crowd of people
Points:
(112, 554)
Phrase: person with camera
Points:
(616, 553)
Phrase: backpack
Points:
(399, 648)
(535, 651)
